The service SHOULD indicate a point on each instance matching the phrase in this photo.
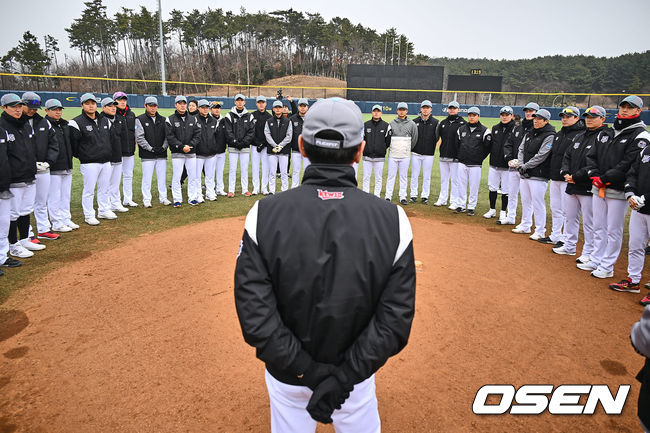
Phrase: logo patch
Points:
(463, 134)
(604, 139)
(41, 129)
(89, 128)
(642, 144)
(550, 145)
(146, 124)
(11, 137)
(177, 124)
(324, 194)
(624, 140)
(645, 159)
(577, 145)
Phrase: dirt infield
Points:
(144, 338)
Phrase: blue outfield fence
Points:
(71, 99)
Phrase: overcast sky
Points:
(488, 28)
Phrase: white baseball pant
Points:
(209, 167)
(221, 163)
(235, 155)
(5, 219)
(424, 162)
(472, 175)
(274, 160)
(608, 220)
(498, 179)
(574, 206)
(22, 203)
(558, 195)
(296, 159)
(359, 413)
(370, 165)
(257, 159)
(514, 182)
(40, 202)
(639, 235)
(114, 191)
(59, 202)
(148, 166)
(394, 166)
(128, 162)
(95, 175)
(189, 161)
(533, 203)
(449, 172)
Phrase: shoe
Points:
(459, 210)
(120, 209)
(647, 250)
(48, 235)
(255, 192)
(646, 300)
(61, 229)
(502, 217)
(231, 195)
(544, 240)
(2, 272)
(414, 199)
(586, 266)
(625, 285)
(201, 200)
(72, 225)
(11, 263)
(387, 199)
(470, 212)
(535, 237)
(424, 200)
(177, 204)
(31, 246)
(583, 259)
(108, 215)
(223, 193)
(165, 202)
(602, 274)
(520, 230)
(403, 202)
(248, 194)
(509, 221)
(558, 244)
(490, 214)
(130, 203)
(17, 250)
(92, 221)
(194, 203)
(34, 240)
(146, 203)
(647, 285)
(212, 198)
(439, 204)
(560, 250)
(451, 207)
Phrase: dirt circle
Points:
(144, 338)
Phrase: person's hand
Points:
(316, 373)
(521, 169)
(289, 98)
(277, 149)
(328, 396)
(636, 202)
(597, 182)
(186, 148)
(513, 163)
(568, 178)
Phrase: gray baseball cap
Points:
(453, 104)
(180, 98)
(531, 106)
(31, 99)
(544, 114)
(303, 101)
(376, 107)
(507, 109)
(151, 100)
(10, 99)
(570, 111)
(474, 110)
(633, 100)
(595, 111)
(277, 103)
(260, 98)
(87, 97)
(426, 103)
(53, 103)
(203, 103)
(108, 101)
(403, 105)
(239, 96)
(340, 115)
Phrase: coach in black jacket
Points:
(259, 156)
(128, 149)
(448, 141)
(240, 132)
(329, 301)
(475, 141)
(377, 135)
(498, 174)
(151, 137)
(422, 153)
(297, 160)
(183, 135)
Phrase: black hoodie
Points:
(128, 146)
(563, 139)
(20, 149)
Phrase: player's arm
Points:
(196, 135)
(541, 155)
(231, 140)
(388, 136)
(632, 176)
(174, 142)
(250, 134)
(52, 144)
(414, 135)
(287, 138)
(139, 137)
(618, 172)
(75, 137)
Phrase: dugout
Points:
(394, 77)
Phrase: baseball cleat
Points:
(583, 259)
(558, 244)
(255, 192)
(248, 194)
(11, 263)
(625, 285)
(387, 199)
(470, 212)
(414, 199)
(535, 237)
(61, 228)
(119, 208)
(521, 230)
(31, 246)
(490, 214)
(34, 240)
(586, 266)
(646, 300)
(231, 194)
(599, 273)
(72, 225)
(92, 221)
(177, 204)
(451, 207)
(439, 203)
(403, 202)
(194, 203)
(545, 240)
(562, 251)
(108, 215)
(424, 200)
(165, 202)
(130, 203)
(212, 198)
(146, 203)
(459, 210)
(17, 250)
(223, 193)
(48, 235)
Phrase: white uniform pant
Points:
(639, 236)
(116, 178)
(533, 203)
(235, 155)
(148, 166)
(371, 165)
(449, 171)
(257, 159)
(59, 202)
(40, 202)
(189, 161)
(209, 167)
(514, 181)
(394, 166)
(22, 203)
(274, 160)
(359, 413)
(424, 162)
(5, 218)
(609, 219)
(127, 178)
(558, 194)
(472, 175)
(296, 159)
(221, 163)
(498, 179)
(574, 206)
(96, 175)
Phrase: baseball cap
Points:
(151, 100)
(595, 111)
(108, 101)
(203, 103)
(531, 106)
(453, 104)
(239, 96)
(506, 109)
(180, 98)
(337, 114)
(633, 100)
(120, 95)
(87, 97)
(544, 114)
(53, 103)
(31, 99)
(10, 99)
(403, 105)
(215, 104)
(426, 103)
(474, 110)
(277, 103)
(570, 111)
(260, 98)
(376, 107)
(303, 101)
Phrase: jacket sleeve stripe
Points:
(405, 233)
(73, 124)
(251, 223)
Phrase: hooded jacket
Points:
(63, 161)
(574, 161)
(563, 140)
(91, 139)
(377, 136)
(128, 146)
(500, 135)
(448, 133)
(20, 149)
(182, 130)
(404, 138)
(296, 126)
(534, 152)
(45, 139)
(239, 129)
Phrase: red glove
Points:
(597, 182)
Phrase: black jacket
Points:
(427, 136)
(533, 141)
(155, 135)
(183, 131)
(511, 148)
(278, 128)
(64, 159)
(339, 290)
(260, 119)
(448, 133)
(500, 135)
(128, 147)
(118, 135)
(638, 179)
(239, 129)
(45, 140)
(208, 144)
(5, 169)
(473, 145)
(563, 140)
(221, 134)
(20, 149)
(91, 140)
(377, 136)
(296, 123)
(574, 161)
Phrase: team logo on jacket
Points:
(604, 139)
(645, 159)
(324, 194)
(11, 137)
(89, 128)
(41, 129)
(146, 124)
(296, 124)
(177, 124)
(642, 144)
(368, 130)
(463, 134)
(577, 145)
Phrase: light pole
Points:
(162, 50)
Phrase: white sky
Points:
(488, 28)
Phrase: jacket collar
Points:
(61, 121)
(330, 175)
(234, 112)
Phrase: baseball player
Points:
(323, 339)
(578, 198)
(608, 164)
(58, 203)
(258, 147)
(5, 205)
(215, 111)
(640, 338)
(118, 132)
(404, 138)
(183, 134)
(128, 149)
(240, 132)
(377, 135)
(278, 132)
(297, 159)
(151, 137)
(206, 151)
(498, 174)
(571, 126)
(448, 142)
(534, 167)
(422, 153)
(474, 143)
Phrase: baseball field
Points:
(130, 326)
